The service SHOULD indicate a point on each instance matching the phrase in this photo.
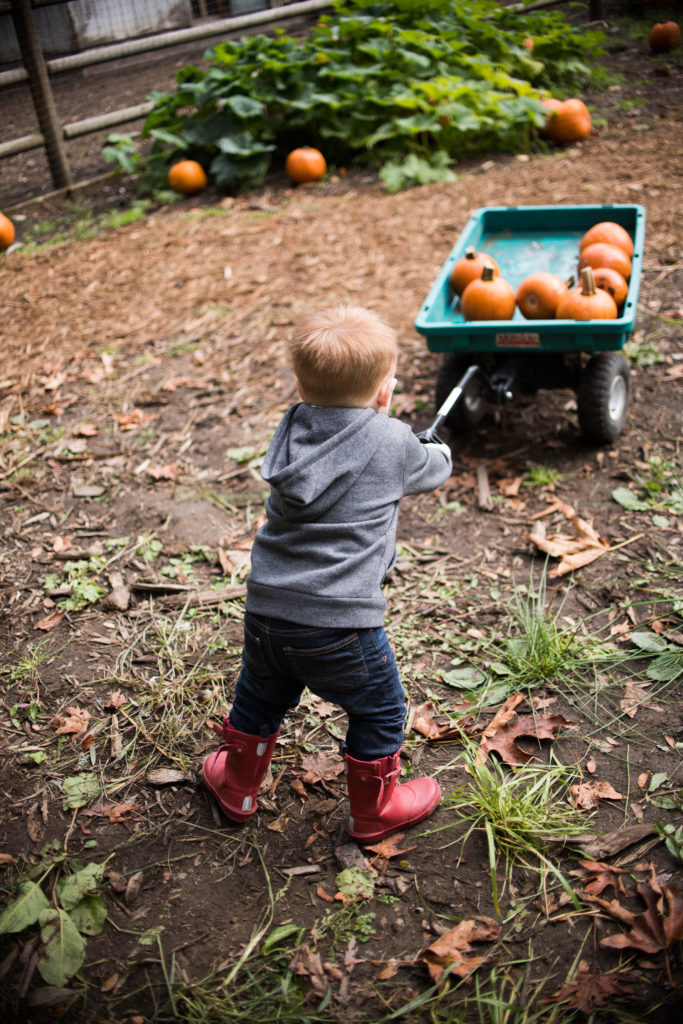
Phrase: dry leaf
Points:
(75, 721)
(636, 696)
(50, 621)
(449, 950)
(388, 848)
(86, 430)
(116, 700)
(504, 740)
(61, 543)
(602, 876)
(585, 795)
(657, 928)
(574, 552)
(133, 419)
(170, 471)
(589, 990)
(436, 726)
(320, 768)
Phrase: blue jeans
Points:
(354, 669)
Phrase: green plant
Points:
(122, 151)
(81, 579)
(371, 84)
(661, 489)
(66, 909)
(542, 476)
(520, 812)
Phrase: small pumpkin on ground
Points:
(6, 232)
(612, 233)
(568, 122)
(664, 36)
(539, 294)
(489, 297)
(305, 164)
(187, 177)
(602, 254)
(469, 267)
(586, 302)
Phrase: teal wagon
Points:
(520, 356)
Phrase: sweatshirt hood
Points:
(316, 455)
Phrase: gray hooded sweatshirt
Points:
(336, 477)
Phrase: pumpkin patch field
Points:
(536, 611)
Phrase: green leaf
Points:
(79, 790)
(63, 947)
(627, 499)
(661, 521)
(648, 642)
(72, 888)
(355, 883)
(657, 780)
(280, 935)
(468, 678)
(25, 910)
(90, 914)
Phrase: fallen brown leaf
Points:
(320, 768)
(602, 876)
(574, 552)
(588, 990)
(50, 621)
(504, 740)
(657, 928)
(449, 950)
(585, 795)
(75, 721)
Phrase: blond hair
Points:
(342, 355)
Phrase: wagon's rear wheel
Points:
(471, 406)
(603, 397)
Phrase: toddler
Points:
(337, 468)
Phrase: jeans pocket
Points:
(253, 655)
(340, 664)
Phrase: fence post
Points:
(41, 92)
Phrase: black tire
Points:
(603, 397)
(472, 405)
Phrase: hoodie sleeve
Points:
(426, 465)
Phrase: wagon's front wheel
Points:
(603, 397)
(472, 404)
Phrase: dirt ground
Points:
(142, 372)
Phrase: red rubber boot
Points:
(234, 773)
(379, 805)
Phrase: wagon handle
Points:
(430, 435)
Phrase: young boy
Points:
(337, 468)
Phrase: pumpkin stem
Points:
(487, 272)
(470, 252)
(587, 281)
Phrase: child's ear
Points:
(385, 392)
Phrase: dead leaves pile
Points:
(500, 735)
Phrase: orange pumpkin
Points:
(489, 297)
(6, 232)
(601, 254)
(469, 267)
(570, 122)
(187, 177)
(664, 36)
(539, 294)
(610, 232)
(612, 282)
(586, 302)
(305, 164)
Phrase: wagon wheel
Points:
(603, 397)
(471, 407)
